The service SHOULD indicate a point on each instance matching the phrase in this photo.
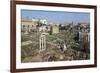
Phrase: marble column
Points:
(42, 41)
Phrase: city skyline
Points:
(59, 17)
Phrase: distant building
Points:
(43, 21)
(55, 29)
(28, 25)
(83, 27)
(43, 29)
(83, 35)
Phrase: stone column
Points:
(80, 36)
(26, 30)
(88, 37)
(42, 41)
(29, 29)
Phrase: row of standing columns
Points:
(42, 41)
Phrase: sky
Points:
(59, 17)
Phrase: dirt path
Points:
(37, 58)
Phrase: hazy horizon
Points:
(60, 17)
